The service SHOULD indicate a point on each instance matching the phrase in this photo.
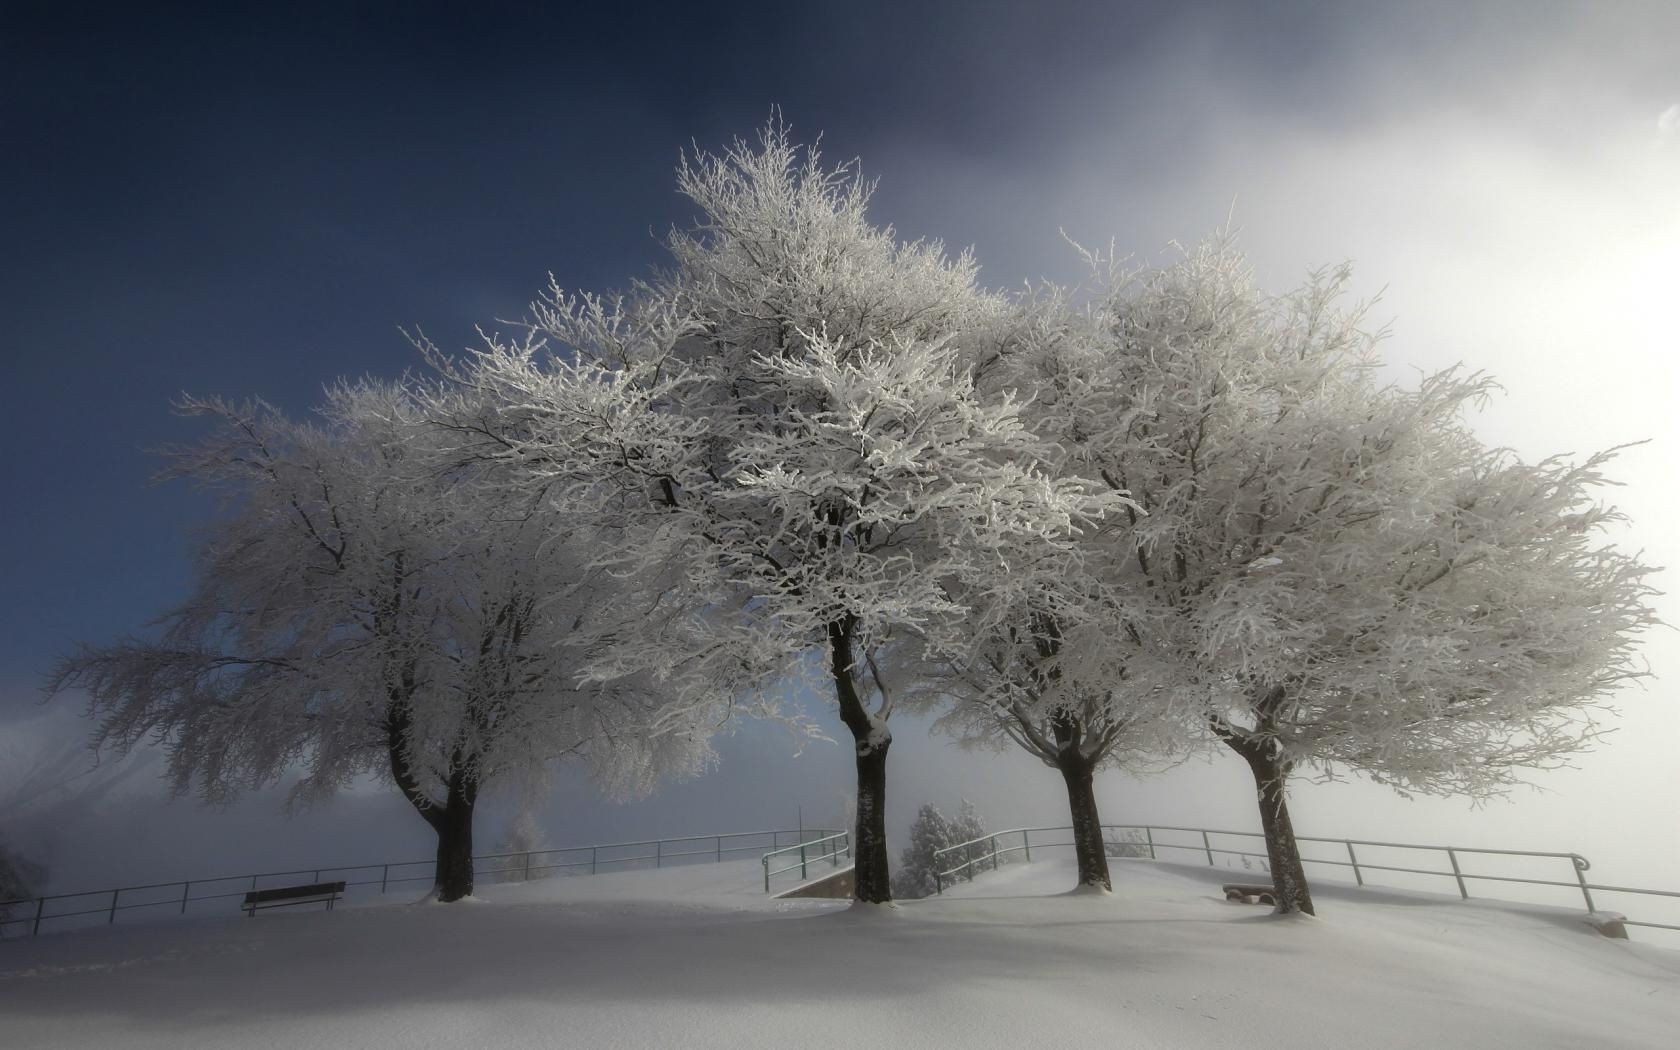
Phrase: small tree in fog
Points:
(524, 836)
(20, 880)
(931, 831)
(364, 606)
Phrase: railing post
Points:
(766, 862)
(802, 860)
(1457, 874)
(40, 903)
(1580, 864)
(113, 917)
(317, 877)
(720, 849)
(1149, 839)
(592, 860)
(1026, 844)
(527, 877)
(1206, 845)
(186, 888)
(1358, 878)
(938, 883)
(384, 877)
(659, 853)
(994, 853)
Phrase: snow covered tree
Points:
(1127, 842)
(20, 879)
(524, 835)
(1338, 570)
(791, 415)
(1018, 693)
(1045, 679)
(1044, 672)
(365, 606)
(931, 831)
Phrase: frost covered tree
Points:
(364, 606)
(524, 835)
(791, 414)
(20, 880)
(1020, 691)
(1043, 672)
(931, 831)
(1338, 571)
(1044, 677)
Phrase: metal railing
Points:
(1020, 840)
(830, 848)
(173, 899)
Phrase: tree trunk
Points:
(869, 842)
(1271, 779)
(453, 876)
(1088, 848)
(871, 739)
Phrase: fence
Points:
(829, 848)
(1384, 857)
(173, 899)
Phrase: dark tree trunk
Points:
(1271, 780)
(871, 739)
(869, 844)
(453, 876)
(1088, 848)
(451, 821)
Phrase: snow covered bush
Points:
(932, 831)
(524, 836)
(20, 880)
(1126, 842)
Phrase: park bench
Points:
(285, 896)
(1250, 894)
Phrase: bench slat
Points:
(279, 893)
(281, 896)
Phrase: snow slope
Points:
(698, 957)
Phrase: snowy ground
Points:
(698, 957)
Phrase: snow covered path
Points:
(695, 957)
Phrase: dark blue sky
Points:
(250, 202)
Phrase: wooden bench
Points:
(285, 896)
(1250, 894)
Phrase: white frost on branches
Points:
(366, 604)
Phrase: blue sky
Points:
(222, 202)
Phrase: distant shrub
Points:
(932, 831)
(1126, 842)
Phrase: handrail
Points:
(1579, 865)
(110, 900)
(839, 840)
